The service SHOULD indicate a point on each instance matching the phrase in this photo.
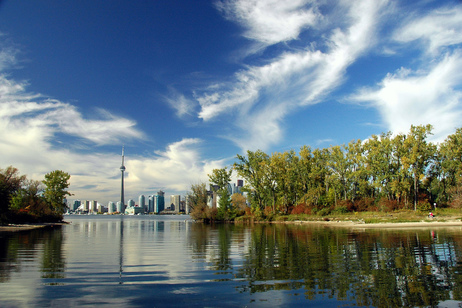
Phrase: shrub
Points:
(364, 204)
(301, 208)
(424, 205)
(340, 210)
(323, 212)
(388, 205)
(347, 204)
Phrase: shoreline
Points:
(385, 225)
(28, 227)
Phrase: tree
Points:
(450, 154)
(29, 199)
(10, 183)
(56, 183)
(221, 178)
(239, 202)
(419, 154)
(198, 201)
(254, 170)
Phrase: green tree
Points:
(420, 154)
(254, 170)
(198, 197)
(450, 158)
(239, 202)
(57, 183)
(10, 183)
(221, 178)
(29, 199)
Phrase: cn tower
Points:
(122, 169)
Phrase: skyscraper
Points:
(175, 201)
(142, 202)
(159, 203)
(122, 169)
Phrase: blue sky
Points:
(187, 85)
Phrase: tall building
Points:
(151, 204)
(159, 202)
(75, 205)
(85, 205)
(120, 207)
(111, 207)
(93, 206)
(175, 203)
(142, 202)
(187, 201)
(122, 169)
(131, 203)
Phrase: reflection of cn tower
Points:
(121, 248)
(122, 169)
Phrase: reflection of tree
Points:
(21, 247)
(53, 262)
(371, 268)
(223, 261)
(199, 240)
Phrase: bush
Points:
(347, 204)
(323, 212)
(424, 205)
(301, 208)
(386, 205)
(364, 204)
(340, 210)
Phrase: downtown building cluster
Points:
(155, 204)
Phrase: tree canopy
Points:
(23, 200)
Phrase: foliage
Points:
(24, 201)
(385, 173)
(55, 193)
(10, 183)
(197, 197)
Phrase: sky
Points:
(185, 86)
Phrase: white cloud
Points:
(180, 103)
(440, 28)
(271, 21)
(175, 169)
(29, 128)
(263, 95)
(417, 98)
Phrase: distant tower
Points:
(122, 169)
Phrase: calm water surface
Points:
(164, 261)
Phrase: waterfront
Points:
(159, 261)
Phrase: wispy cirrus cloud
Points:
(261, 96)
(430, 93)
(440, 28)
(271, 21)
(408, 97)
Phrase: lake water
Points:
(170, 261)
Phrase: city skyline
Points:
(188, 85)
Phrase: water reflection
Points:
(375, 268)
(22, 249)
(167, 261)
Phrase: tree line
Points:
(23, 200)
(383, 173)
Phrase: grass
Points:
(400, 216)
